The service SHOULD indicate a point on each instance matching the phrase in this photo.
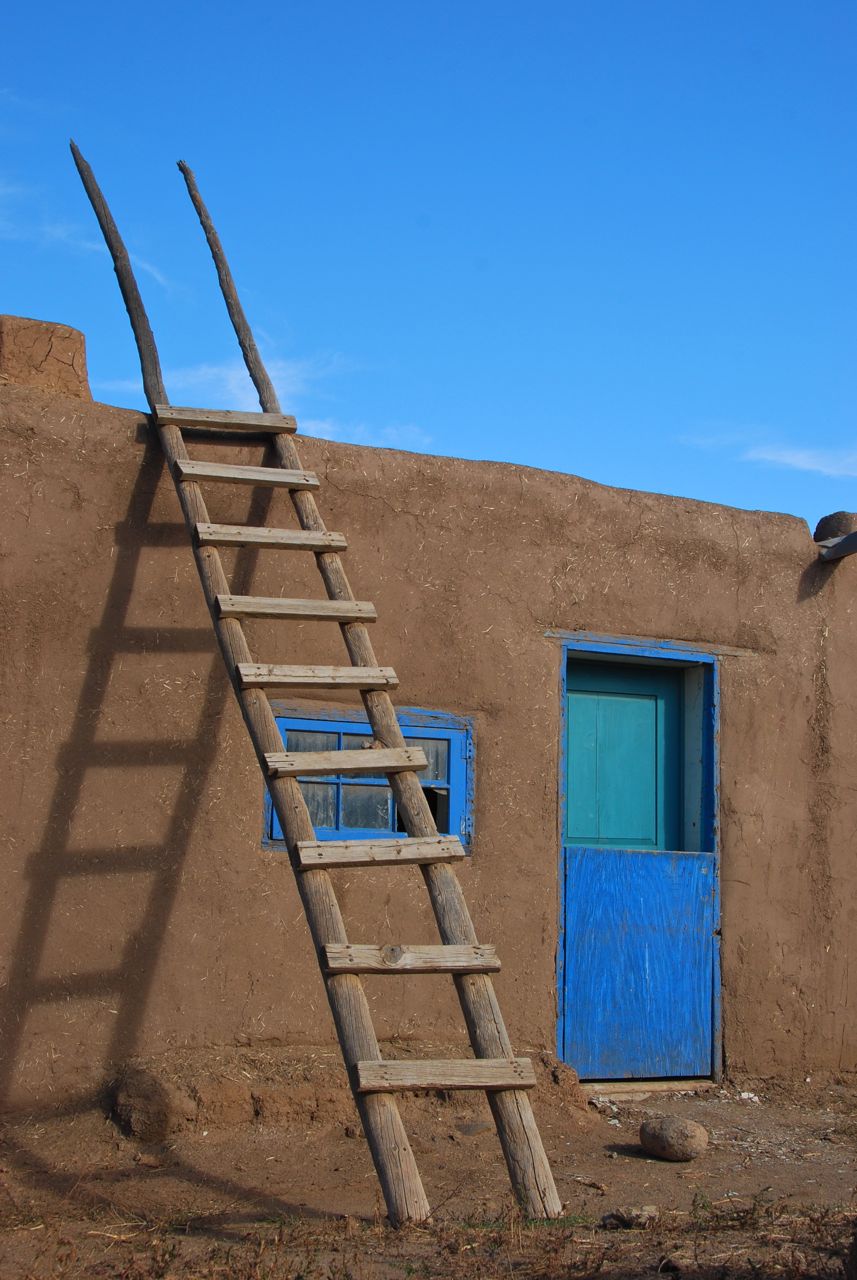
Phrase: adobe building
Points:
(640, 714)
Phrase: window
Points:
(345, 807)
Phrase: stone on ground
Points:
(672, 1138)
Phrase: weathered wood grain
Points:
(381, 760)
(281, 607)
(372, 853)
(273, 675)
(150, 365)
(362, 958)
(224, 420)
(478, 1073)
(228, 473)
(245, 535)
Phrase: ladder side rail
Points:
(388, 1141)
(385, 1133)
(528, 1166)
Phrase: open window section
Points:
(347, 807)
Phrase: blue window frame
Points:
(345, 807)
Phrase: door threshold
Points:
(636, 1090)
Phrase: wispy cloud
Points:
(754, 445)
(20, 115)
(839, 463)
(716, 440)
(64, 233)
(227, 383)
(9, 98)
(11, 222)
(405, 436)
(12, 190)
(19, 221)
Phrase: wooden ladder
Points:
(373, 1079)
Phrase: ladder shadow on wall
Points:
(106, 893)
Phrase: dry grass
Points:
(756, 1238)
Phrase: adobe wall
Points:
(138, 912)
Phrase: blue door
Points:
(638, 948)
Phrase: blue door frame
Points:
(696, 873)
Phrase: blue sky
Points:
(616, 238)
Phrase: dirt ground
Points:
(288, 1190)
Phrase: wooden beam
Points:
(224, 420)
(359, 958)
(838, 548)
(301, 610)
(371, 762)
(150, 365)
(478, 1073)
(244, 535)
(271, 675)
(229, 473)
(373, 853)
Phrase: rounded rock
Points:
(672, 1138)
(836, 525)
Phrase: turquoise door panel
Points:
(624, 757)
(582, 763)
(628, 807)
(613, 774)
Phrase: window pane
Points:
(310, 740)
(321, 801)
(366, 807)
(357, 742)
(437, 754)
(438, 803)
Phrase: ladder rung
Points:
(272, 477)
(372, 853)
(346, 957)
(371, 761)
(245, 535)
(277, 607)
(225, 420)
(476, 1073)
(266, 675)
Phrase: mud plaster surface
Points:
(139, 914)
(49, 357)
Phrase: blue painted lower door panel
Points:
(638, 956)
